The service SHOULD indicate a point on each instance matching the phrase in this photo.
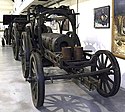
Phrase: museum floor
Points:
(61, 96)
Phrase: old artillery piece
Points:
(16, 26)
(7, 31)
(6, 35)
(17, 29)
(43, 49)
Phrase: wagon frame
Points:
(39, 52)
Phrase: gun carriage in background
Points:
(13, 32)
(6, 35)
(7, 31)
(41, 48)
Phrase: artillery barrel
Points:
(54, 42)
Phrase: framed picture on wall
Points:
(118, 28)
(102, 17)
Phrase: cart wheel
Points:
(109, 83)
(9, 38)
(6, 42)
(37, 80)
(15, 44)
(25, 51)
(3, 42)
(6, 35)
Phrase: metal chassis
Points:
(57, 60)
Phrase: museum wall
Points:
(96, 38)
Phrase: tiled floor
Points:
(61, 96)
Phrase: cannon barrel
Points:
(54, 42)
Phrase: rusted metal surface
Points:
(67, 53)
(78, 53)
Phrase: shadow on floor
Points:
(68, 103)
(71, 103)
(112, 104)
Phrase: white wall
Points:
(90, 37)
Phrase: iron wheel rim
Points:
(23, 58)
(34, 82)
(109, 83)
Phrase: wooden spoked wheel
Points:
(15, 43)
(25, 51)
(37, 79)
(109, 82)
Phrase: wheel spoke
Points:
(34, 78)
(101, 84)
(98, 60)
(34, 68)
(102, 58)
(109, 65)
(111, 73)
(98, 67)
(34, 85)
(35, 97)
(105, 87)
(108, 85)
(110, 80)
(106, 60)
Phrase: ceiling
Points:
(45, 3)
(7, 6)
